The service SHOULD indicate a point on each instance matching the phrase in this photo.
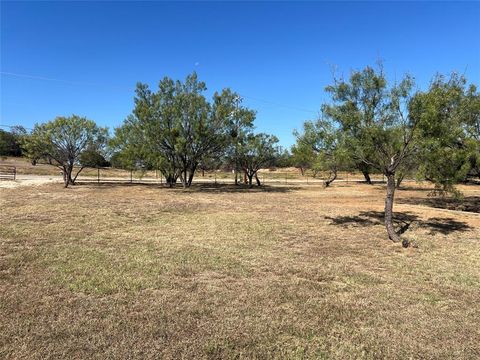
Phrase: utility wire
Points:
(35, 77)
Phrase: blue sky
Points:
(278, 55)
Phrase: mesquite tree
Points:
(62, 141)
(449, 129)
(93, 158)
(303, 156)
(10, 141)
(256, 152)
(326, 143)
(129, 148)
(239, 124)
(375, 119)
(176, 129)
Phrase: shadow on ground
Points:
(402, 222)
(208, 188)
(468, 203)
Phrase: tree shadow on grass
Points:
(468, 203)
(232, 188)
(406, 187)
(195, 187)
(402, 222)
(446, 226)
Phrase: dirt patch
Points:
(28, 180)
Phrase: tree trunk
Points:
(399, 180)
(191, 174)
(366, 175)
(258, 180)
(250, 178)
(183, 178)
(170, 179)
(65, 176)
(76, 175)
(190, 179)
(392, 235)
(235, 170)
(332, 177)
(302, 171)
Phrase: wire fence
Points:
(290, 176)
(105, 175)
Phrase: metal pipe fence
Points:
(8, 172)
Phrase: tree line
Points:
(369, 125)
(177, 130)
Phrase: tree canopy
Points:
(258, 151)
(10, 141)
(449, 120)
(62, 141)
(176, 129)
(325, 145)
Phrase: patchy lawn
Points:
(102, 271)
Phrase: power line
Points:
(43, 78)
(35, 77)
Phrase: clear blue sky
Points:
(278, 55)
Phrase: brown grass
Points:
(118, 271)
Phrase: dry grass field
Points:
(216, 272)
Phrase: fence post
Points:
(98, 175)
(286, 178)
(131, 176)
(14, 173)
(215, 178)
